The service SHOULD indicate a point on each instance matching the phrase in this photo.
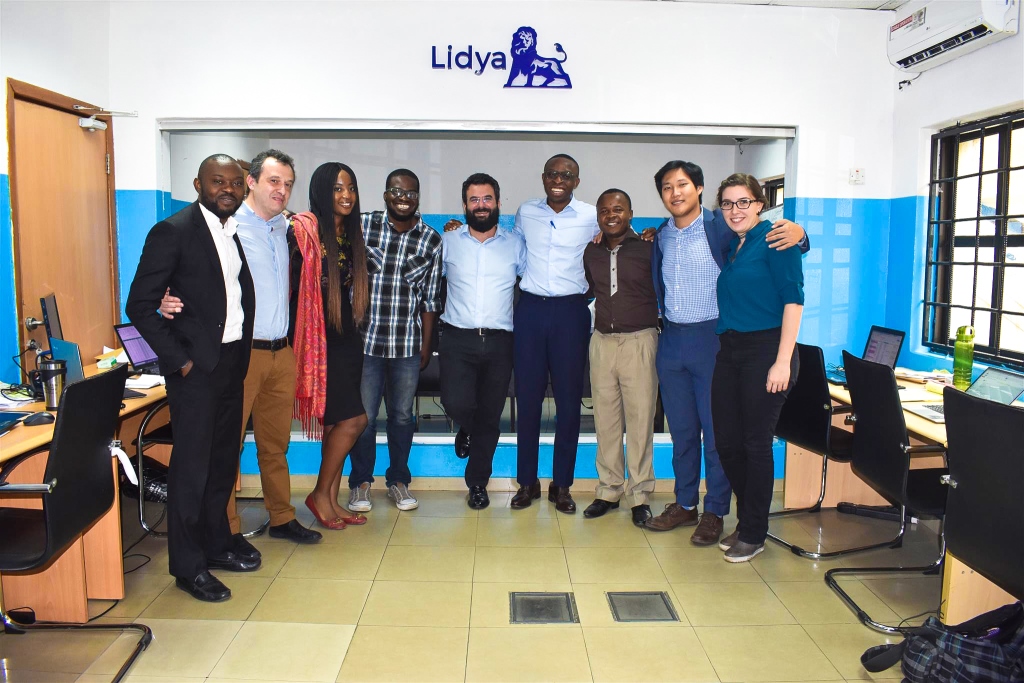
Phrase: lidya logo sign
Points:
(529, 69)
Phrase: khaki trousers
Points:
(270, 396)
(624, 380)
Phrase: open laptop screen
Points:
(997, 385)
(883, 346)
(140, 353)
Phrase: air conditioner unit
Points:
(926, 34)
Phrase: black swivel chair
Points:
(144, 439)
(984, 509)
(881, 457)
(77, 490)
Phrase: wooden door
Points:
(62, 209)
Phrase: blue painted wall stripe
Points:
(8, 308)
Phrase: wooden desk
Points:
(91, 567)
(965, 593)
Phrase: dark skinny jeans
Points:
(744, 414)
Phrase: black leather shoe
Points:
(599, 507)
(560, 496)
(478, 498)
(641, 513)
(294, 531)
(244, 549)
(205, 587)
(462, 443)
(233, 563)
(525, 496)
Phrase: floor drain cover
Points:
(642, 606)
(542, 608)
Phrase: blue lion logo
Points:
(527, 65)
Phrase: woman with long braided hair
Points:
(329, 300)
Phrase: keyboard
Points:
(937, 407)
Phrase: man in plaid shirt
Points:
(403, 260)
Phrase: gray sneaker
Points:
(743, 552)
(403, 499)
(729, 541)
(359, 498)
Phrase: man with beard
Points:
(481, 262)
(403, 259)
(196, 255)
(622, 352)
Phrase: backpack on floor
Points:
(989, 647)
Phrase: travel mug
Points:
(52, 372)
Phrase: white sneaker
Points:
(403, 499)
(359, 498)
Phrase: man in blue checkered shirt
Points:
(403, 261)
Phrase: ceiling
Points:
(830, 4)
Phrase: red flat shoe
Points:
(334, 524)
(356, 519)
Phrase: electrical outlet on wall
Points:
(856, 176)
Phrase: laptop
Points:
(140, 354)
(10, 419)
(72, 357)
(995, 384)
(883, 347)
(50, 316)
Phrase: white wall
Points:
(761, 159)
(443, 161)
(60, 46)
(837, 81)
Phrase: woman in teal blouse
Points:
(760, 302)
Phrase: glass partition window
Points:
(975, 257)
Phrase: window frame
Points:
(942, 238)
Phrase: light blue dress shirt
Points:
(265, 244)
(554, 246)
(690, 273)
(481, 278)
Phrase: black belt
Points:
(481, 331)
(268, 345)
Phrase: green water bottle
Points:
(963, 357)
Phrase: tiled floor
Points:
(423, 596)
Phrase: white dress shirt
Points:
(554, 246)
(481, 278)
(231, 266)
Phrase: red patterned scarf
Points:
(310, 338)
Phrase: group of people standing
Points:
(322, 314)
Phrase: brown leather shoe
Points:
(560, 496)
(708, 530)
(674, 515)
(525, 496)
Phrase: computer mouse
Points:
(40, 418)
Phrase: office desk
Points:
(91, 566)
(965, 593)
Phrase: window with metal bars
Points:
(774, 190)
(975, 261)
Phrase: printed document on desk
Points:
(144, 382)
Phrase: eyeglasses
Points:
(399, 193)
(739, 203)
(567, 176)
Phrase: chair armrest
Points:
(924, 449)
(45, 487)
(7, 467)
(842, 409)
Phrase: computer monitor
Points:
(883, 345)
(50, 316)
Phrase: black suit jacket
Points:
(180, 253)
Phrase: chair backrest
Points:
(985, 512)
(806, 417)
(80, 457)
(879, 433)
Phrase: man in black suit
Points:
(204, 355)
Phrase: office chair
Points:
(77, 490)
(881, 457)
(984, 510)
(806, 422)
